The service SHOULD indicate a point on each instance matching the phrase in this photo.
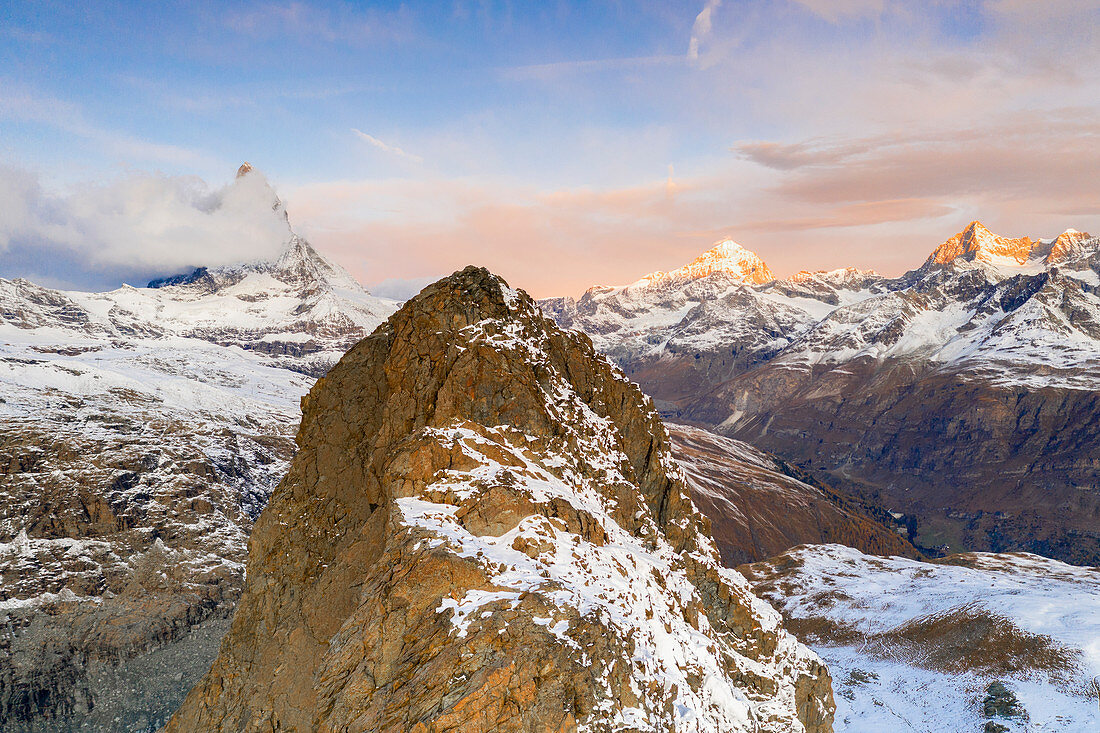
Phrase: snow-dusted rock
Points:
(484, 530)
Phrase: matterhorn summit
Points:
(295, 307)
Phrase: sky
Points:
(562, 145)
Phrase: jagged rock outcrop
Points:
(976, 243)
(483, 530)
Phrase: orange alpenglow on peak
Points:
(728, 258)
(245, 169)
(978, 243)
(1068, 244)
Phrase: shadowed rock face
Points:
(484, 529)
(759, 506)
(121, 559)
(985, 465)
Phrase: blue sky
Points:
(562, 144)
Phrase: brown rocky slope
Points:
(759, 506)
(484, 529)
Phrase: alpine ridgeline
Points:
(961, 395)
(484, 529)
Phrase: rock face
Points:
(484, 529)
(123, 521)
(962, 394)
(759, 506)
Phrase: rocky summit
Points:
(484, 529)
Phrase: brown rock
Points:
(484, 529)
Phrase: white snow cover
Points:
(887, 692)
(726, 257)
(1015, 311)
(300, 299)
(636, 586)
(162, 372)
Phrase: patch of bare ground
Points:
(972, 638)
(968, 638)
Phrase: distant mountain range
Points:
(963, 393)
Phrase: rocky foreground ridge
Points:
(484, 529)
(962, 394)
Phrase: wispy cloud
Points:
(836, 10)
(386, 147)
(335, 23)
(29, 106)
(1043, 155)
(560, 68)
(702, 28)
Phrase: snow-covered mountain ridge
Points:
(963, 393)
(297, 305)
(980, 301)
(727, 258)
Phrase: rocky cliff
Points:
(484, 529)
(125, 507)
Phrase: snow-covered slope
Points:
(916, 645)
(299, 305)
